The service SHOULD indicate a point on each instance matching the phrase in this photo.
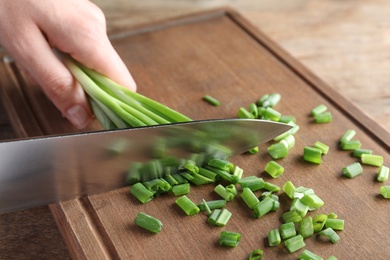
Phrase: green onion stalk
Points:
(116, 106)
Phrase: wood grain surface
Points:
(224, 56)
(346, 43)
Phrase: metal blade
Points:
(41, 171)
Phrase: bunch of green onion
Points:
(116, 106)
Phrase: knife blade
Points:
(44, 170)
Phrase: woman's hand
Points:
(29, 29)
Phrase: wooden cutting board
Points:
(218, 53)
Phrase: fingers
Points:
(34, 53)
(103, 58)
(76, 27)
(89, 43)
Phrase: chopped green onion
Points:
(187, 175)
(323, 147)
(228, 238)
(385, 191)
(191, 167)
(263, 207)
(285, 119)
(262, 99)
(334, 223)
(214, 216)
(348, 135)
(312, 154)
(223, 174)
(283, 135)
(269, 194)
(353, 170)
(319, 222)
(383, 174)
(289, 188)
(294, 129)
(307, 255)
(249, 197)
(180, 179)
(332, 215)
(272, 114)
(257, 254)
(274, 169)
(271, 187)
(243, 113)
(148, 222)
(252, 182)
(139, 191)
(325, 117)
(181, 189)
(290, 140)
(221, 164)
(231, 188)
(224, 193)
(299, 207)
(238, 172)
(207, 173)
(211, 100)
(278, 150)
(291, 216)
(313, 201)
(157, 185)
(271, 100)
(350, 145)
(287, 230)
(358, 152)
(206, 207)
(219, 217)
(275, 205)
(254, 150)
(260, 112)
(199, 179)
(305, 227)
(371, 159)
(187, 205)
(274, 237)
(223, 218)
(294, 243)
(301, 191)
(318, 110)
(253, 110)
(331, 234)
(172, 181)
(212, 204)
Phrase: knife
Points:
(44, 170)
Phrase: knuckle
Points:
(93, 23)
(99, 16)
(57, 88)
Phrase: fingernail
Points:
(78, 116)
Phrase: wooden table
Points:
(35, 229)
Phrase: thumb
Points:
(56, 81)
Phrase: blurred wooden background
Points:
(346, 43)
